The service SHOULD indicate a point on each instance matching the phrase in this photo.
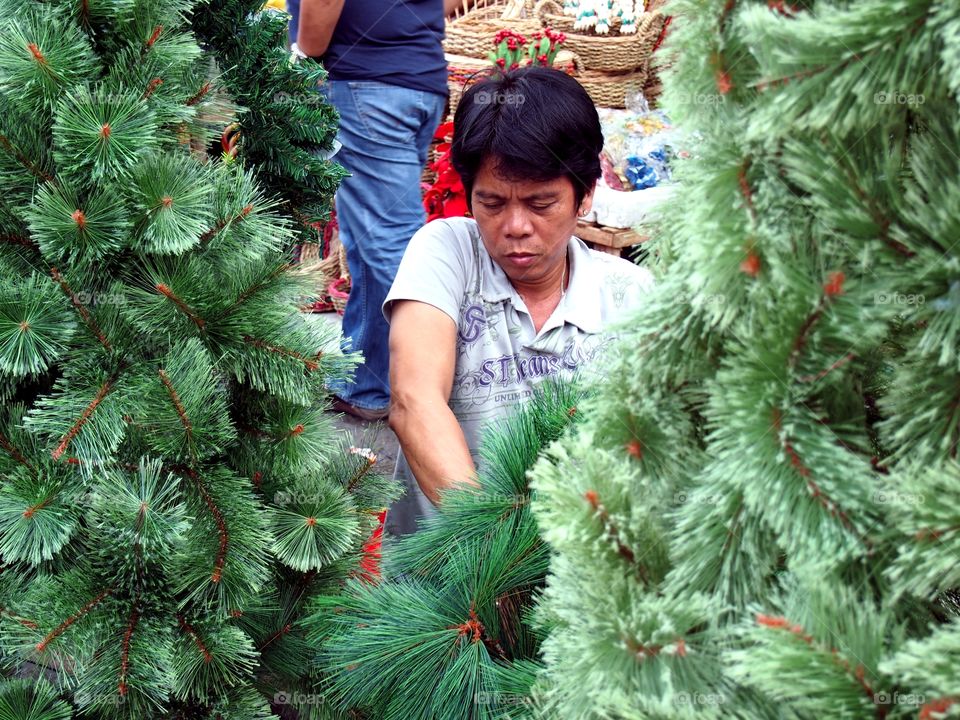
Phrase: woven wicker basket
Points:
(326, 272)
(471, 35)
(610, 90)
(612, 52)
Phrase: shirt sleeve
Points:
(435, 268)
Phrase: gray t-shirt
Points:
(500, 356)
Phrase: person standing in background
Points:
(293, 7)
(388, 80)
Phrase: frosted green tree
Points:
(760, 517)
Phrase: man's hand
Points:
(423, 353)
(318, 18)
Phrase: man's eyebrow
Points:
(544, 195)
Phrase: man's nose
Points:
(518, 223)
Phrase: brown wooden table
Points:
(608, 239)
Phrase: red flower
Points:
(724, 83)
(446, 197)
(751, 266)
(444, 131)
(370, 561)
(834, 284)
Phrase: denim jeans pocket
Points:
(388, 113)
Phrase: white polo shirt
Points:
(500, 356)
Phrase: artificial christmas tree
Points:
(171, 491)
(286, 127)
(444, 634)
(759, 517)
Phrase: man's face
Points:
(525, 225)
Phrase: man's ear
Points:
(587, 203)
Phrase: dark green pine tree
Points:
(445, 634)
(171, 493)
(285, 127)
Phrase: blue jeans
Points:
(386, 132)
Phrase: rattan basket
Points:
(471, 35)
(609, 89)
(613, 52)
(552, 14)
(325, 273)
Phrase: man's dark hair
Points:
(535, 123)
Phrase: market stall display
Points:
(640, 145)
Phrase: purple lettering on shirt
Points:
(487, 374)
(505, 362)
(474, 320)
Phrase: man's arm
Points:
(449, 6)
(423, 353)
(318, 18)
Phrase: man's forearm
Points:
(433, 445)
(318, 18)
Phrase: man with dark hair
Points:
(482, 309)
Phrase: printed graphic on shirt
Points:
(477, 319)
(499, 378)
(618, 285)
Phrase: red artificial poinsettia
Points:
(446, 196)
(370, 562)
